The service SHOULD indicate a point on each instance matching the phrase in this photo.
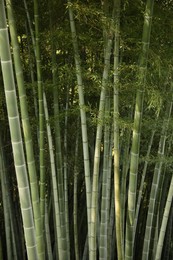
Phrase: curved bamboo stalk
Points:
(16, 138)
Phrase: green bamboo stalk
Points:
(31, 60)
(142, 179)
(125, 168)
(66, 201)
(83, 118)
(109, 176)
(15, 257)
(75, 203)
(59, 232)
(41, 113)
(111, 224)
(85, 251)
(129, 246)
(157, 213)
(48, 236)
(94, 202)
(118, 229)
(61, 173)
(58, 150)
(5, 204)
(159, 205)
(16, 138)
(62, 185)
(103, 250)
(167, 242)
(32, 72)
(164, 191)
(30, 26)
(17, 243)
(164, 222)
(153, 204)
(27, 132)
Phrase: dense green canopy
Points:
(86, 129)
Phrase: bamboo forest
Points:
(86, 121)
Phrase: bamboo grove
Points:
(86, 95)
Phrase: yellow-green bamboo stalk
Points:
(118, 229)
